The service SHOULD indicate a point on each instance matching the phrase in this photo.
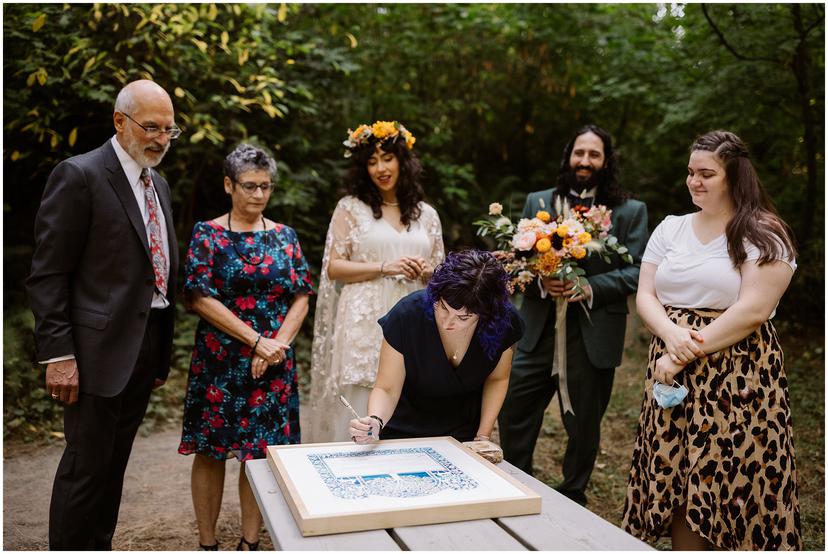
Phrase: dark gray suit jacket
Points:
(611, 285)
(92, 280)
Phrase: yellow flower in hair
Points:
(584, 237)
(562, 230)
(359, 130)
(410, 140)
(578, 252)
(384, 129)
(543, 216)
(543, 245)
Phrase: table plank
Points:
(564, 524)
(286, 536)
(480, 534)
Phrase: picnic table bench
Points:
(561, 525)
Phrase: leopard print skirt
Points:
(727, 450)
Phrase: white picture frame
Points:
(342, 487)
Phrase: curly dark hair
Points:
(754, 218)
(475, 280)
(409, 191)
(610, 193)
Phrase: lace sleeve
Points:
(435, 235)
(340, 239)
(339, 243)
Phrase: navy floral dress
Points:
(225, 408)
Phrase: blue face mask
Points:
(668, 396)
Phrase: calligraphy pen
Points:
(353, 411)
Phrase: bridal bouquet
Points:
(551, 247)
(543, 246)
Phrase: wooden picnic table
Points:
(561, 525)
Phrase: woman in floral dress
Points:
(249, 282)
(382, 244)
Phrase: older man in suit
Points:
(594, 344)
(102, 291)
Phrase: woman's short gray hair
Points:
(248, 158)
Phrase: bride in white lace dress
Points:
(383, 243)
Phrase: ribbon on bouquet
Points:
(559, 361)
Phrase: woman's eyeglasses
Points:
(250, 188)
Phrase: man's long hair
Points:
(609, 190)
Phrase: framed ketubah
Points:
(340, 487)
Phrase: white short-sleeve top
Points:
(691, 274)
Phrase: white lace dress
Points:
(346, 335)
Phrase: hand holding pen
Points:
(362, 429)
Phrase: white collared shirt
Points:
(133, 175)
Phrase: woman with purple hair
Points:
(446, 355)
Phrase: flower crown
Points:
(381, 131)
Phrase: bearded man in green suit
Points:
(594, 344)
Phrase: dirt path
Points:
(156, 508)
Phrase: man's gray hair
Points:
(125, 102)
(248, 158)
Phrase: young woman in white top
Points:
(383, 243)
(716, 470)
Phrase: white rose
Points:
(503, 222)
(495, 208)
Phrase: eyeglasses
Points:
(152, 131)
(250, 188)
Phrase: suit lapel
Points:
(118, 180)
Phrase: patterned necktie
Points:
(159, 261)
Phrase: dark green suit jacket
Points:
(611, 285)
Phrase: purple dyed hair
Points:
(475, 280)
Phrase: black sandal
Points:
(250, 545)
(208, 546)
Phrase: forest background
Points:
(491, 91)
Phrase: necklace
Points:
(253, 260)
(466, 335)
(395, 204)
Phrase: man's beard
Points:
(598, 178)
(137, 151)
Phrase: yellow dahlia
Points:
(584, 237)
(384, 129)
(548, 263)
(543, 245)
(578, 252)
(562, 230)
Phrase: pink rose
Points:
(524, 241)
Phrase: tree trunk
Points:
(799, 64)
